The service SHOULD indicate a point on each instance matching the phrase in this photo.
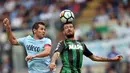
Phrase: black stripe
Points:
(79, 71)
(70, 56)
(61, 69)
(78, 58)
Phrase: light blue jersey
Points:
(32, 46)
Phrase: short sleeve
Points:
(60, 47)
(86, 52)
(21, 40)
(48, 42)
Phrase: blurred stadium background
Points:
(103, 25)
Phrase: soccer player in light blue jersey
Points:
(37, 47)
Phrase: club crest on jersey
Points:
(72, 46)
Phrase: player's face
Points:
(69, 30)
(40, 32)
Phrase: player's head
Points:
(39, 29)
(68, 30)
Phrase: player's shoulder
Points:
(46, 39)
(79, 41)
(61, 41)
(28, 37)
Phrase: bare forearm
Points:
(55, 57)
(10, 35)
(102, 59)
(11, 38)
(42, 54)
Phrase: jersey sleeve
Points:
(21, 40)
(60, 47)
(48, 43)
(86, 52)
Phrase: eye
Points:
(71, 26)
(65, 27)
(43, 29)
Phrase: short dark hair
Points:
(36, 25)
(65, 24)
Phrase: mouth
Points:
(43, 34)
(69, 33)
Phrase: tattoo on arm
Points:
(55, 57)
(101, 59)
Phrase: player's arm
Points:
(10, 35)
(53, 60)
(103, 59)
(55, 56)
(47, 49)
(98, 58)
(46, 52)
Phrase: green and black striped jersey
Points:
(71, 53)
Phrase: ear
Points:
(63, 32)
(34, 30)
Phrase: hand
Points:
(52, 66)
(117, 58)
(6, 22)
(30, 57)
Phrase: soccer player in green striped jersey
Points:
(71, 52)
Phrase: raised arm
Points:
(103, 59)
(10, 35)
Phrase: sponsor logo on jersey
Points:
(72, 46)
(33, 48)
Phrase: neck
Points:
(35, 37)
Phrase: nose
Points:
(69, 29)
(43, 31)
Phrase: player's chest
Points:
(34, 46)
(74, 46)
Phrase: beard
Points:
(41, 37)
(70, 36)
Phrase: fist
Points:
(6, 22)
(118, 57)
(29, 57)
(52, 66)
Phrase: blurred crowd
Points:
(112, 20)
(23, 13)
